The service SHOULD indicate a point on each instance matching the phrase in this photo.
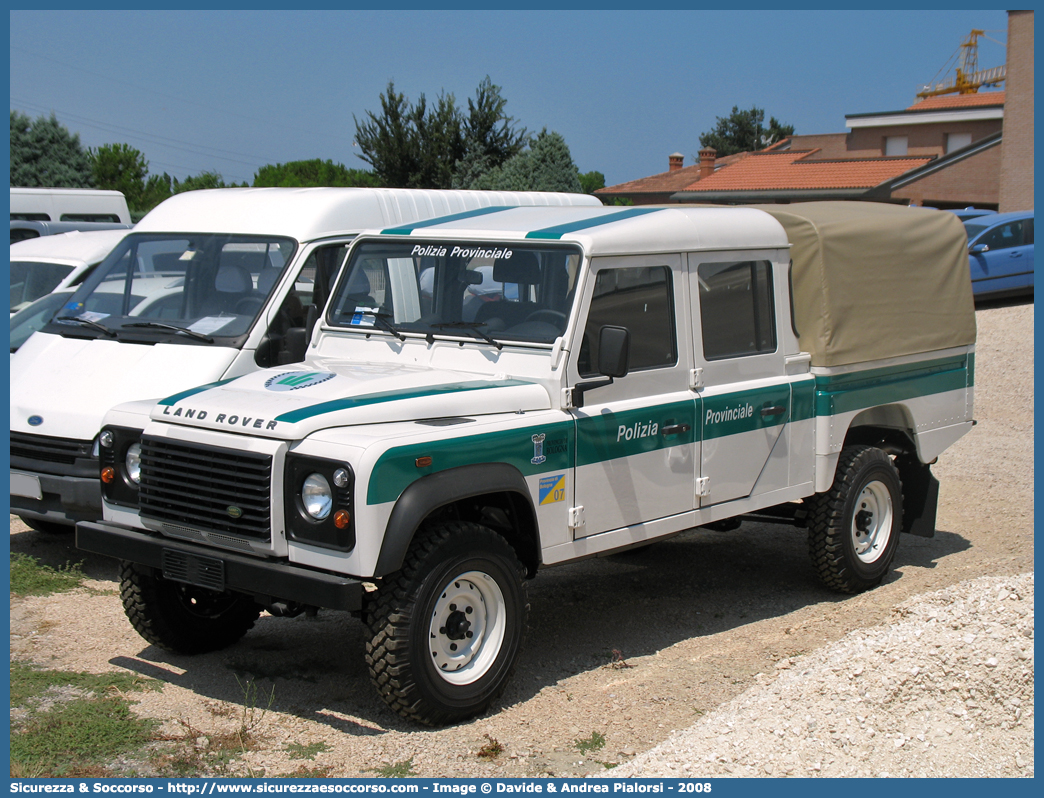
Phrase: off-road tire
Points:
(408, 651)
(853, 529)
(182, 618)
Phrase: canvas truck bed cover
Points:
(875, 281)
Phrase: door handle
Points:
(775, 410)
(676, 429)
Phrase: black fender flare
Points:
(433, 491)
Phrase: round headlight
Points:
(317, 496)
(133, 463)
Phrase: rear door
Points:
(744, 386)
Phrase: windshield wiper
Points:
(158, 325)
(473, 327)
(382, 319)
(88, 323)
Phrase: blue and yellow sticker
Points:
(552, 489)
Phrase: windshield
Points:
(495, 292)
(193, 288)
(30, 280)
(973, 228)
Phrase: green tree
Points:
(744, 131)
(312, 173)
(546, 166)
(436, 145)
(44, 154)
(205, 179)
(120, 167)
(590, 182)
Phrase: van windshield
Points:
(192, 288)
(30, 280)
(496, 292)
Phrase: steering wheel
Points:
(549, 316)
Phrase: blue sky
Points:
(230, 91)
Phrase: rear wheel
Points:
(183, 618)
(446, 630)
(853, 529)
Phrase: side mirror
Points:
(978, 249)
(614, 346)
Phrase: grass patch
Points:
(310, 751)
(595, 742)
(400, 770)
(30, 577)
(87, 721)
(491, 750)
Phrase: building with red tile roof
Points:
(943, 151)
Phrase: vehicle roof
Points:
(74, 247)
(1000, 218)
(614, 230)
(67, 191)
(306, 214)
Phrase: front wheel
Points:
(182, 618)
(853, 529)
(446, 630)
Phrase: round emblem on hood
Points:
(234, 512)
(35, 421)
(295, 380)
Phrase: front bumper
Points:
(65, 500)
(268, 581)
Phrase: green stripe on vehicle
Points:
(595, 221)
(842, 393)
(397, 468)
(350, 402)
(609, 436)
(741, 411)
(407, 229)
(170, 400)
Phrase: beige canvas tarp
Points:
(875, 281)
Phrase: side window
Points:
(641, 300)
(1004, 237)
(736, 309)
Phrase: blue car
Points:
(1000, 254)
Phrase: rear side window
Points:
(639, 299)
(736, 309)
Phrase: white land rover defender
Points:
(625, 374)
(208, 286)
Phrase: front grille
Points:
(206, 487)
(49, 450)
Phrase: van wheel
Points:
(181, 618)
(853, 529)
(446, 630)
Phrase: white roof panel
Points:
(616, 230)
(306, 214)
(73, 247)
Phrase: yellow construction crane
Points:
(969, 79)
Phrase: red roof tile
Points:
(959, 101)
(767, 171)
(667, 181)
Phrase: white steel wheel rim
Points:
(872, 522)
(467, 627)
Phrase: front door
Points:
(636, 450)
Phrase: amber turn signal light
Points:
(342, 518)
(108, 474)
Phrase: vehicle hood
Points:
(292, 402)
(66, 385)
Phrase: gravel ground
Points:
(705, 628)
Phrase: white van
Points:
(56, 263)
(212, 285)
(69, 205)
